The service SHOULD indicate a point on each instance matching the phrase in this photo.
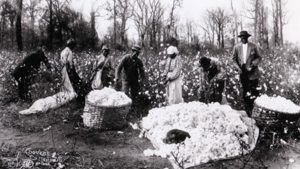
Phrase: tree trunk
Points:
(50, 33)
(19, 25)
(256, 19)
(12, 32)
(280, 21)
(93, 28)
(32, 28)
(275, 23)
(223, 43)
(115, 25)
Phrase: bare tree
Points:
(124, 14)
(31, 8)
(220, 19)
(19, 6)
(278, 21)
(259, 15)
(236, 24)
(171, 27)
(120, 13)
(94, 14)
(209, 27)
(8, 13)
(190, 31)
(53, 16)
(51, 26)
(156, 15)
(141, 15)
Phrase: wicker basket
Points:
(105, 117)
(267, 118)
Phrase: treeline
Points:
(28, 23)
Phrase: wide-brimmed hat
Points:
(136, 48)
(244, 34)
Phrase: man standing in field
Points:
(247, 58)
(27, 70)
(132, 74)
(104, 69)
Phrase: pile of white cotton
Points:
(217, 132)
(279, 104)
(108, 97)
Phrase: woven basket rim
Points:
(103, 106)
(276, 111)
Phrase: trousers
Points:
(250, 92)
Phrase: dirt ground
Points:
(57, 139)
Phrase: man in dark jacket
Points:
(27, 70)
(130, 71)
(246, 58)
(213, 82)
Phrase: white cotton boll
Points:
(134, 126)
(149, 152)
(278, 103)
(208, 125)
(291, 160)
(108, 97)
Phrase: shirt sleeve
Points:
(167, 66)
(120, 67)
(100, 62)
(258, 58)
(221, 72)
(235, 58)
(66, 57)
(177, 70)
(141, 70)
(45, 60)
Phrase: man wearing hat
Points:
(247, 58)
(104, 69)
(173, 76)
(27, 70)
(131, 72)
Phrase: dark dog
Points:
(176, 136)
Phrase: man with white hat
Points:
(173, 76)
(131, 72)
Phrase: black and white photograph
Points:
(149, 84)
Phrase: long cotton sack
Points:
(51, 102)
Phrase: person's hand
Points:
(167, 80)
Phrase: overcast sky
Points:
(195, 9)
